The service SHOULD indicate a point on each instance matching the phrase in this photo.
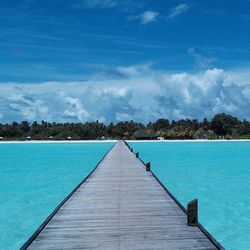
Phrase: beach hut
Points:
(160, 138)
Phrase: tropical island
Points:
(221, 126)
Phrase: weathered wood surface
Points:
(121, 206)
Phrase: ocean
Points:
(36, 177)
(217, 173)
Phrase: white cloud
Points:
(115, 92)
(133, 70)
(177, 10)
(148, 17)
(28, 107)
(75, 109)
(143, 94)
(200, 60)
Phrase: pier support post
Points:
(148, 165)
(137, 155)
(192, 213)
(126, 144)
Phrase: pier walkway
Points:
(120, 206)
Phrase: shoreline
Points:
(109, 141)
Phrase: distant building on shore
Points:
(145, 134)
(160, 138)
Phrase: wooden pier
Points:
(120, 206)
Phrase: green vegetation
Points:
(221, 126)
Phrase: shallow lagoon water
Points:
(34, 179)
(217, 173)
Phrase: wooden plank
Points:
(120, 206)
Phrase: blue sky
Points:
(117, 60)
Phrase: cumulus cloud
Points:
(144, 94)
(177, 10)
(26, 106)
(75, 109)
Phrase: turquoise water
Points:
(217, 173)
(34, 179)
